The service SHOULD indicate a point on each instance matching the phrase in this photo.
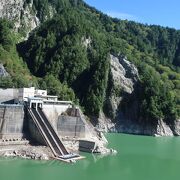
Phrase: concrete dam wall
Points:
(16, 124)
(70, 124)
(9, 96)
(30, 115)
(12, 124)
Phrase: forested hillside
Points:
(16, 67)
(69, 55)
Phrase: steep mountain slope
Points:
(18, 71)
(124, 69)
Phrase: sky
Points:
(158, 12)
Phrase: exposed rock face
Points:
(3, 72)
(105, 124)
(124, 73)
(133, 127)
(94, 135)
(86, 42)
(124, 76)
(176, 128)
(21, 13)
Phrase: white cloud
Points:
(122, 16)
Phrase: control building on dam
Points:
(30, 113)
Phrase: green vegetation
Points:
(58, 48)
(69, 55)
(54, 87)
(157, 96)
(9, 57)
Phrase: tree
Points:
(54, 87)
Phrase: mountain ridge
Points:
(70, 51)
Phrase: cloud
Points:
(122, 16)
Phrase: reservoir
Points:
(138, 158)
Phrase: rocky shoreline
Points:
(26, 152)
(133, 127)
(26, 155)
(38, 152)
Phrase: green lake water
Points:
(138, 158)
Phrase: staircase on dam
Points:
(50, 136)
(48, 124)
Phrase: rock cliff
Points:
(122, 80)
(123, 118)
(21, 13)
(3, 72)
(24, 14)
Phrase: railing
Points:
(54, 134)
(48, 132)
(50, 136)
(41, 131)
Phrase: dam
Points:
(32, 114)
